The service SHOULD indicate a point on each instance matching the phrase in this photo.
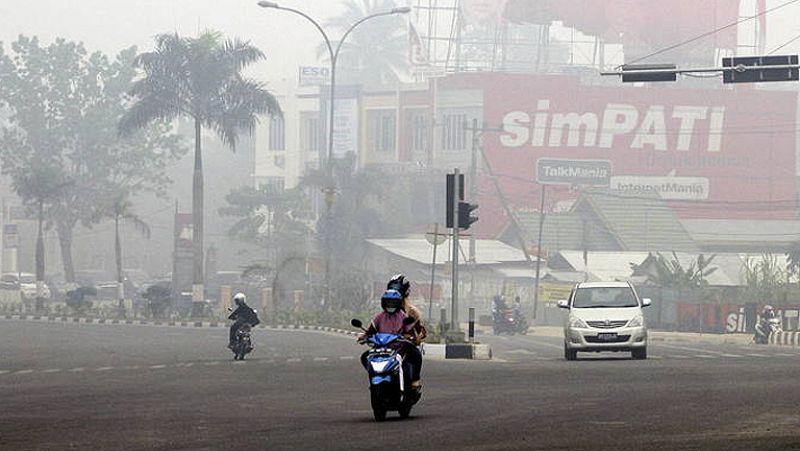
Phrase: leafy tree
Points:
(765, 278)
(64, 108)
(200, 79)
(671, 273)
(159, 299)
(793, 260)
(376, 51)
(76, 299)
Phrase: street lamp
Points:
(330, 191)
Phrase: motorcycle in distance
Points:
(510, 321)
(242, 343)
(389, 387)
(765, 327)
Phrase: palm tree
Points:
(121, 211)
(201, 79)
(38, 185)
(376, 52)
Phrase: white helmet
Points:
(239, 298)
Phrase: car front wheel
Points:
(639, 354)
(570, 354)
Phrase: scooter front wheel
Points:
(379, 414)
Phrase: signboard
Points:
(345, 133)
(553, 171)
(313, 76)
(732, 148)
(554, 292)
(668, 187)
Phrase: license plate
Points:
(607, 336)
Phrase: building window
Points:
(418, 125)
(310, 132)
(277, 133)
(454, 131)
(274, 185)
(382, 132)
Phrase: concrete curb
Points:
(168, 323)
(784, 338)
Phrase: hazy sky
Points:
(289, 41)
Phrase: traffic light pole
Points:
(454, 290)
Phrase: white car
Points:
(605, 316)
(25, 283)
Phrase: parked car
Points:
(25, 282)
(605, 316)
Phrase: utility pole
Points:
(454, 297)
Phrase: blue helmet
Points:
(391, 301)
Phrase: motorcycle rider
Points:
(762, 326)
(418, 330)
(243, 314)
(390, 321)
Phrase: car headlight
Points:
(577, 323)
(637, 321)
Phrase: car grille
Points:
(606, 325)
(617, 339)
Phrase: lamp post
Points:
(330, 190)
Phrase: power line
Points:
(784, 44)
(709, 33)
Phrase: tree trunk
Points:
(118, 259)
(40, 259)
(65, 243)
(197, 217)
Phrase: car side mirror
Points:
(563, 303)
(356, 323)
(646, 302)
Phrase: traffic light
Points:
(451, 179)
(660, 72)
(747, 69)
(465, 217)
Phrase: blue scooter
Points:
(389, 386)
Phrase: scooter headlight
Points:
(379, 366)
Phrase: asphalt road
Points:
(123, 387)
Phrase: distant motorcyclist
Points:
(243, 314)
(768, 322)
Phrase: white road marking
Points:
(52, 370)
(704, 351)
(4, 371)
(157, 367)
(294, 360)
(23, 372)
(522, 351)
(759, 355)
(214, 362)
(320, 359)
(346, 357)
(679, 356)
(105, 368)
(705, 356)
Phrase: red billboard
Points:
(714, 153)
(640, 25)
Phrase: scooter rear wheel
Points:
(379, 414)
(404, 411)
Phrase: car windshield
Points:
(604, 297)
